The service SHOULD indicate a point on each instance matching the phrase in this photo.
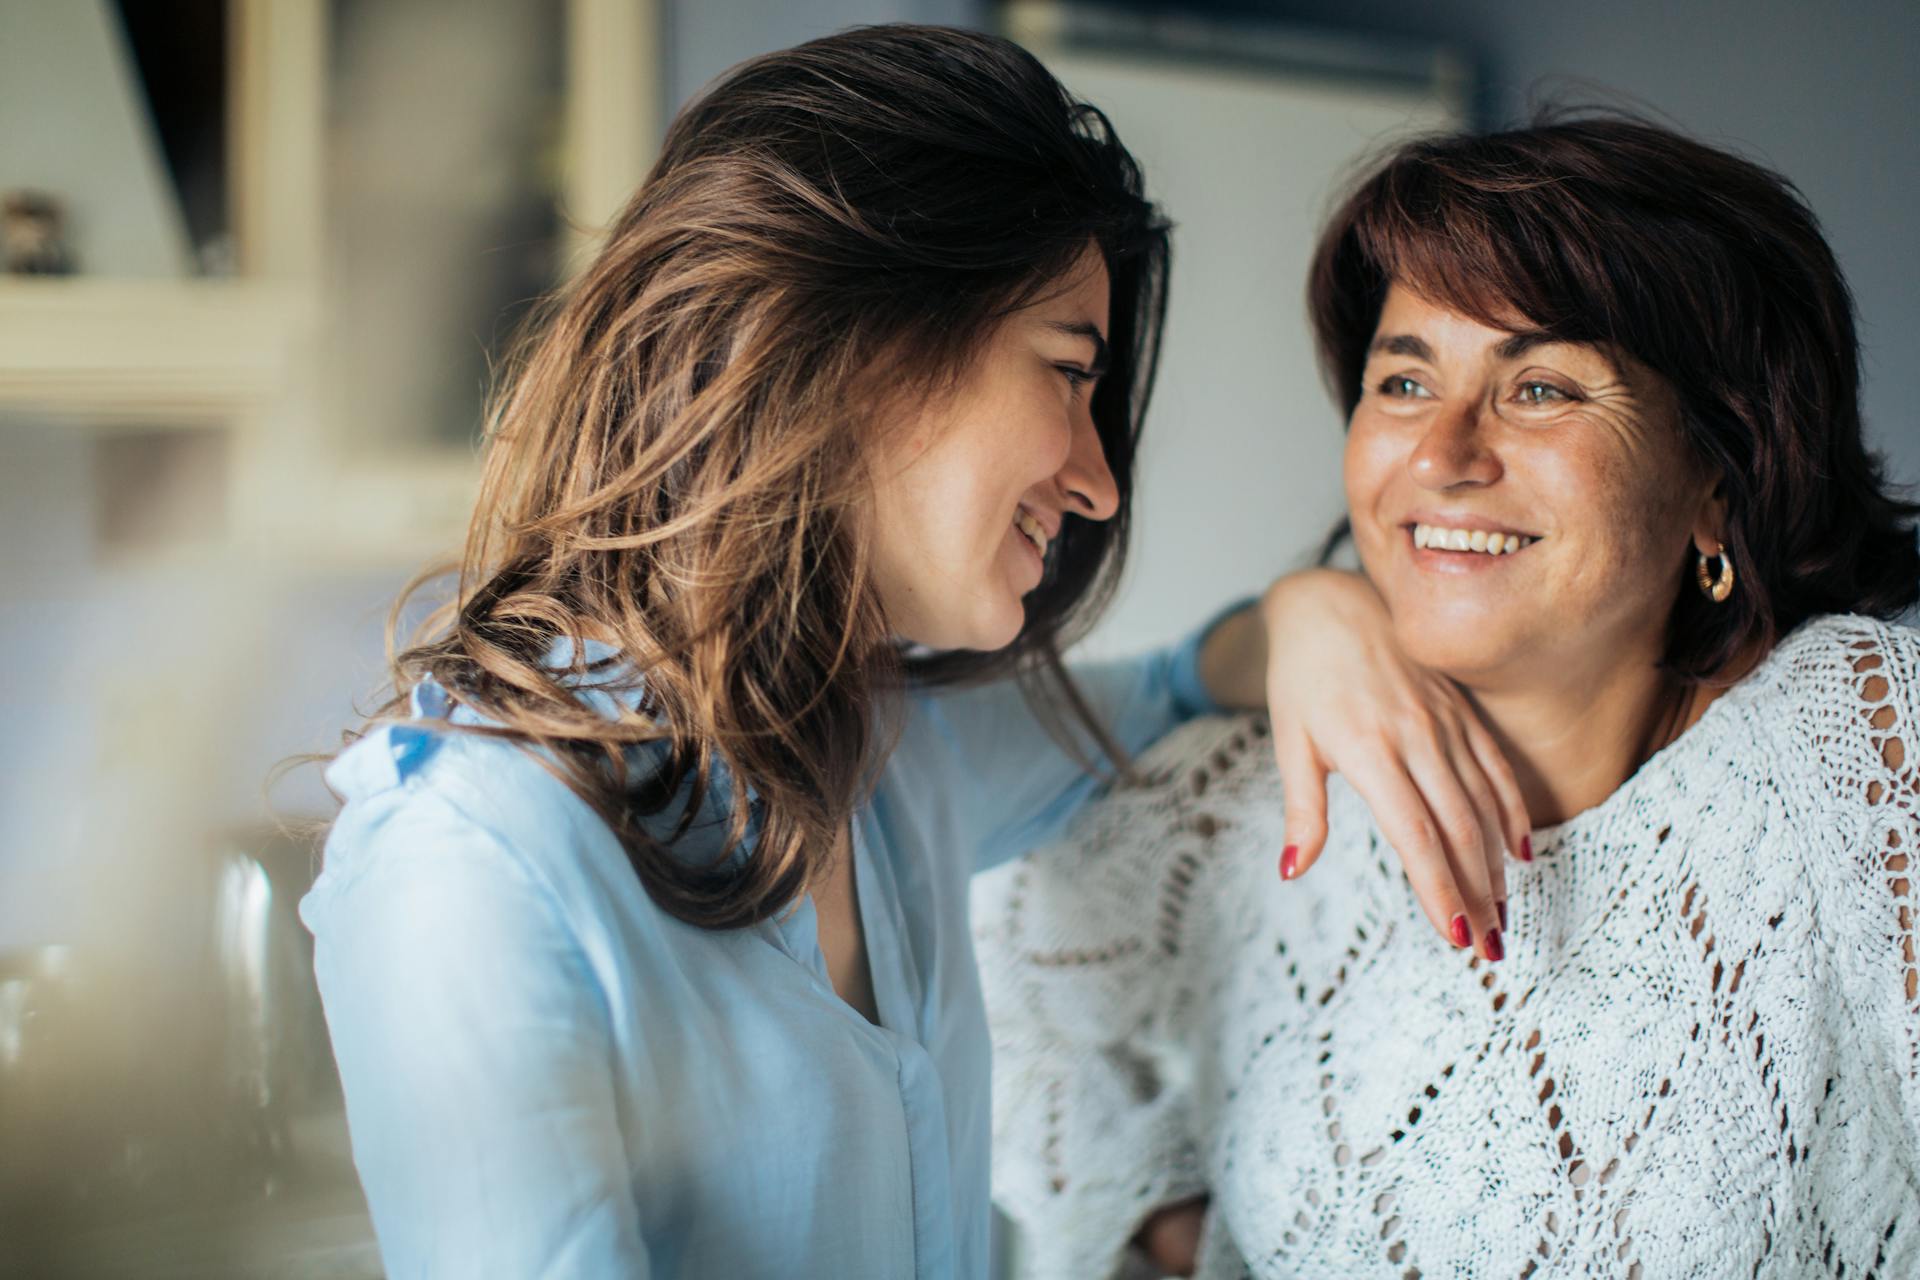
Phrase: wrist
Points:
(1231, 662)
(1292, 599)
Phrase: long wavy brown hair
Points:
(676, 458)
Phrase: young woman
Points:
(642, 933)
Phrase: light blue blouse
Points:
(546, 1075)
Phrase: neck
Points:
(1574, 740)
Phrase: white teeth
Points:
(1481, 540)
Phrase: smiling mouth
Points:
(1491, 542)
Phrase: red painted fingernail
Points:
(1288, 858)
(1494, 950)
(1526, 848)
(1462, 936)
(1502, 905)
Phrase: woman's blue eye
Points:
(1403, 389)
(1541, 393)
(1076, 378)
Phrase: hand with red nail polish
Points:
(1343, 698)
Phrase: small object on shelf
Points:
(32, 235)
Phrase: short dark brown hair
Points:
(1607, 230)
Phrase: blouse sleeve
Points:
(474, 1051)
(1007, 785)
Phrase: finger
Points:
(1461, 832)
(1381, 779)
(1303, 781)
(1493, 854)
(1515, 822)
(1171, 1237)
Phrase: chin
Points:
(1000, 632)
(1454, 645)
(984, 632)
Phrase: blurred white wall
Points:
(1239, 473)
(704, 38)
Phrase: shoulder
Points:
(438, 809)
(422, 822)
(427, 776)
(1852, 689)
(1844, 690)
(1835, 650)
(1222, 756)
(1839, 699)
(1203, 775)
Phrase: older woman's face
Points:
(1524, 506)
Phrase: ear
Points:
(1710, 519)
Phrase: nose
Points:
(1085, 480)
(1454, 452)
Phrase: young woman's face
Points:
(970, 494)
(1562, 472)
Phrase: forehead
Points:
(1080, 294)
(1407, 311)
(1411, 323)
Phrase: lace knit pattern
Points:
(1698, 1059)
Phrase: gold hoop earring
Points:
(1716, 589)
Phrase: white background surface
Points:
(1239, 472)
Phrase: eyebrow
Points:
(1521, 343)
(1511, 348)
(1402, 344)
(1082, 329)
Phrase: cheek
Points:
(913, 513)
(1626, 519)
(945, 506)
(1374, 454)
(942, 516)
(934, 513)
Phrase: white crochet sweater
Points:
(1698, 1058)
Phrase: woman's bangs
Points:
(1464, 265)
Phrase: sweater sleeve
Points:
(1860, 685)
(1092, 955)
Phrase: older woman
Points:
(1605, 471)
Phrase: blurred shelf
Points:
(102, 351)
(220, 425)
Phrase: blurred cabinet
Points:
(402, 178)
